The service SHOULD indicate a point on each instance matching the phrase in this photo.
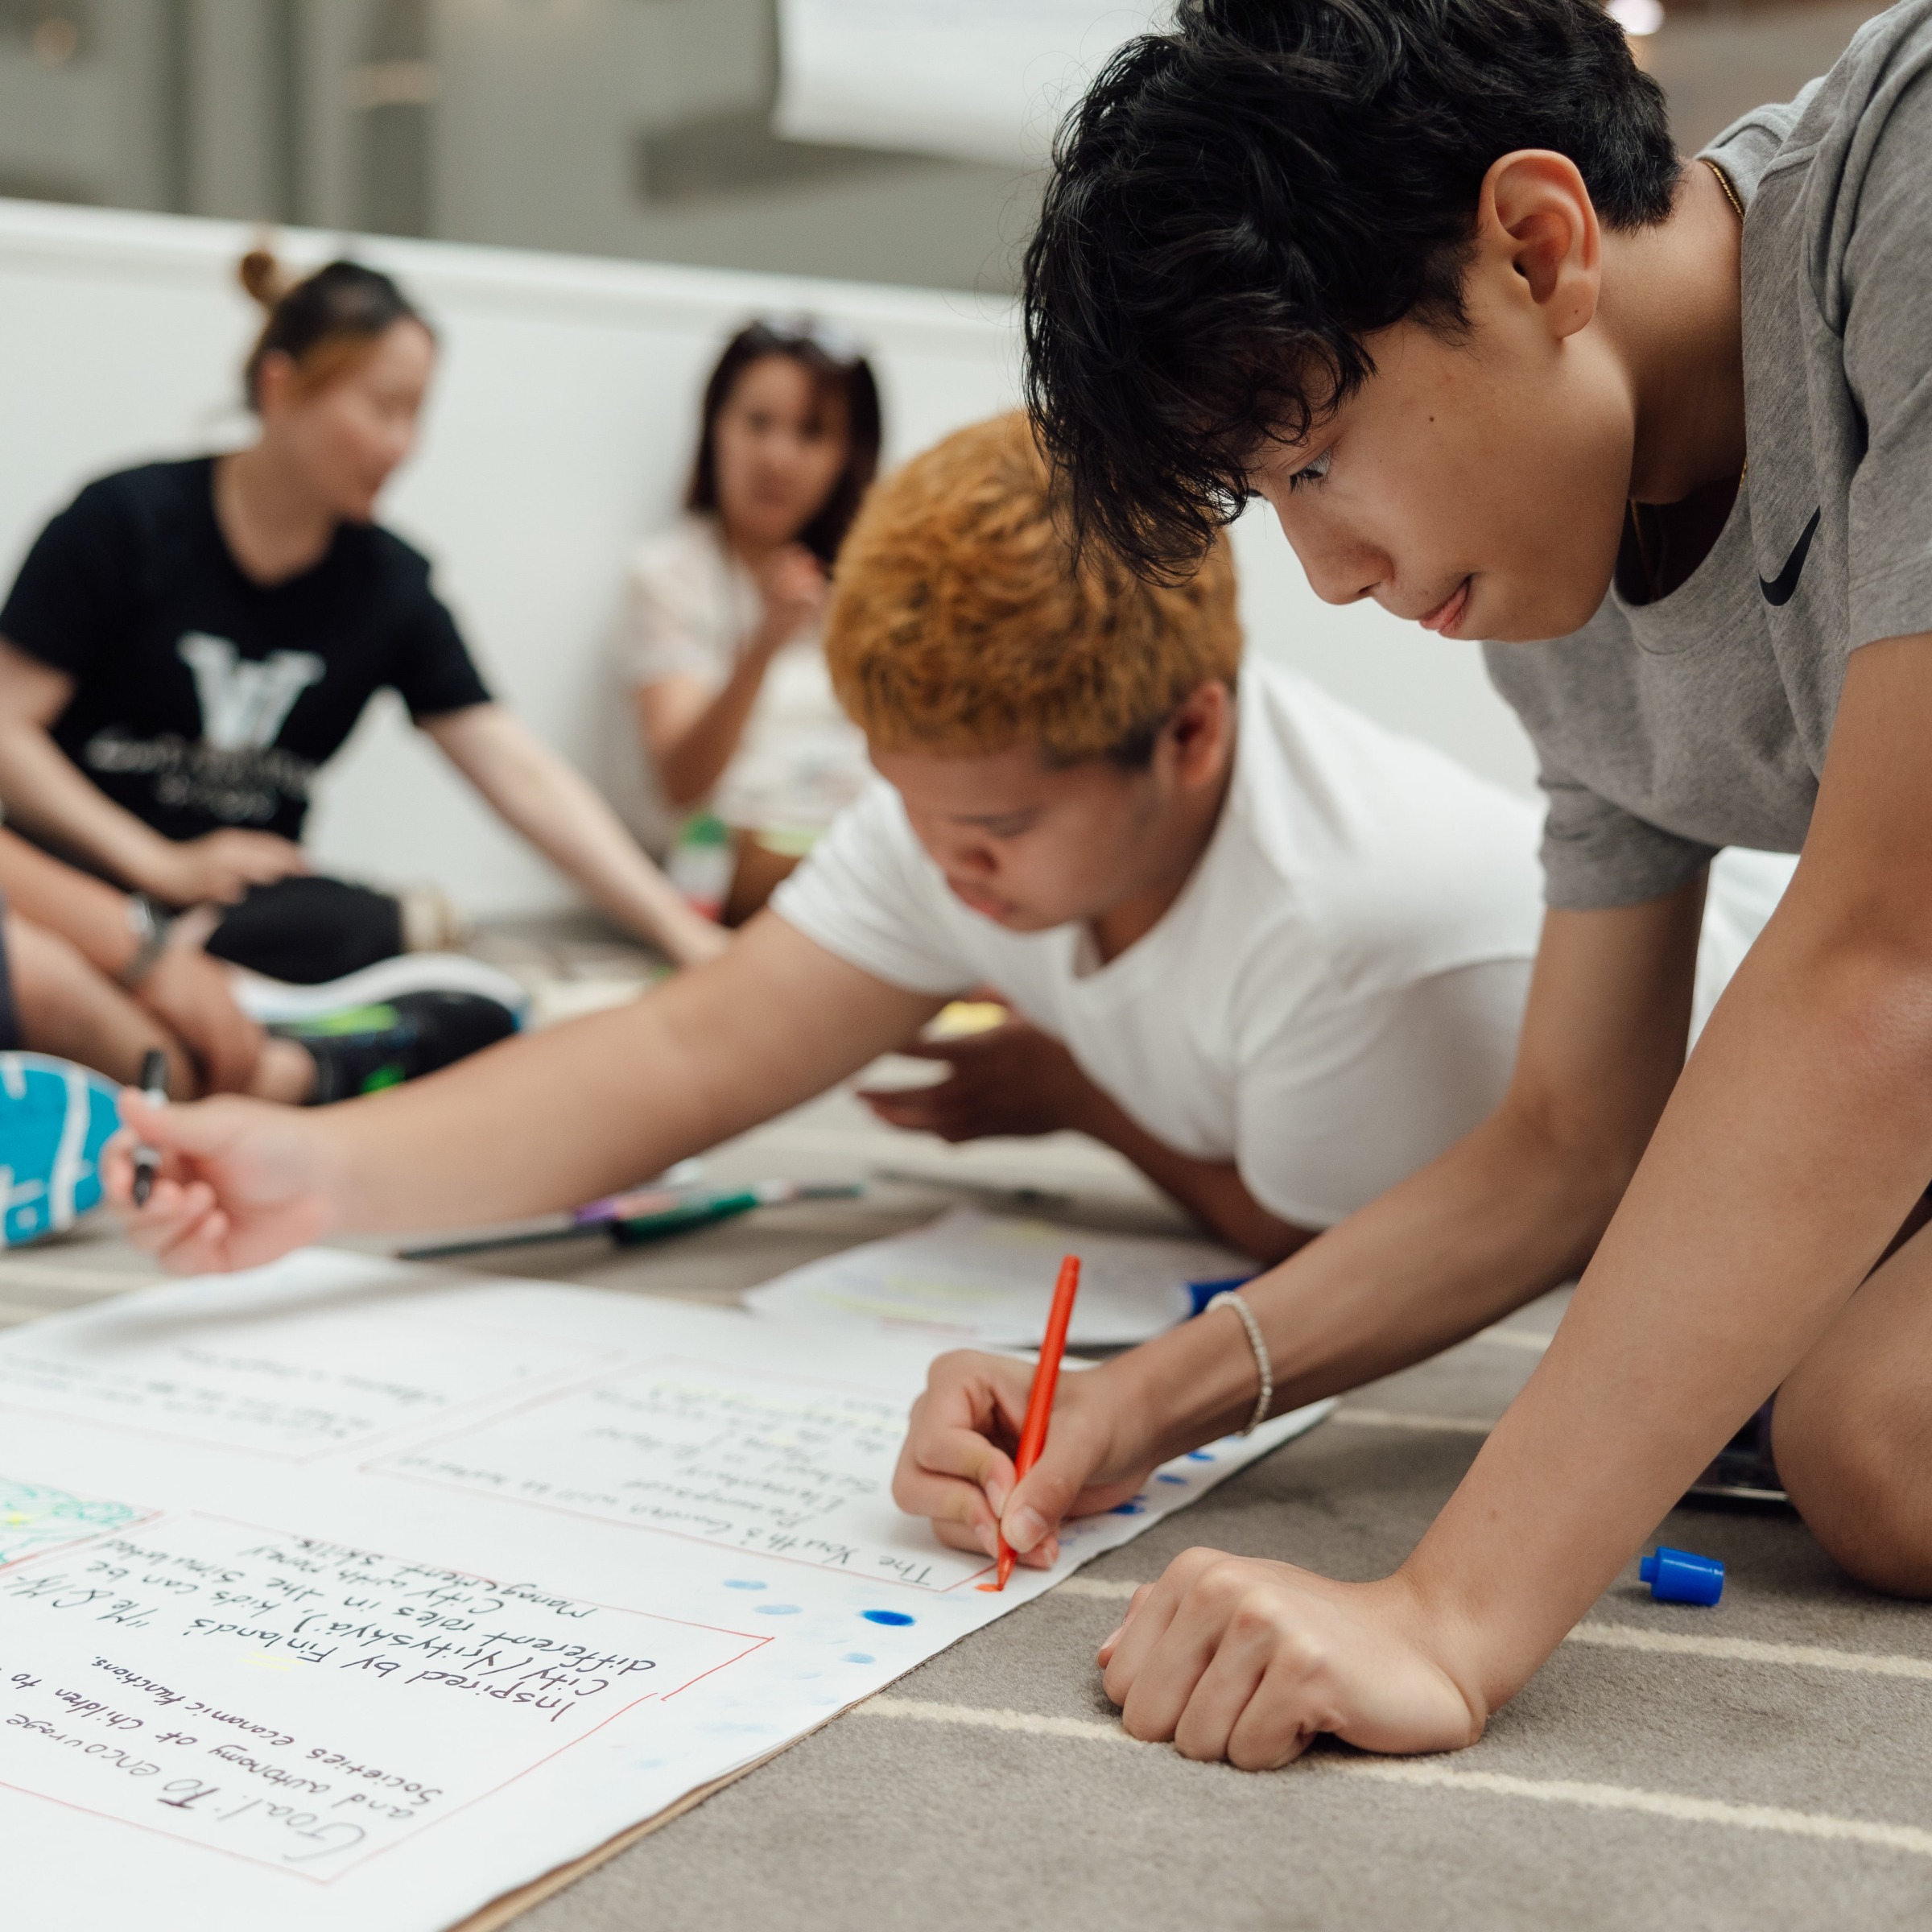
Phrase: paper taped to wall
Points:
(974, 1277)
(349, 1593)
(977, 80)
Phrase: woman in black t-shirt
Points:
(187, 642)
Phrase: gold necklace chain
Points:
(1649, 563)
(1725, 182)
(1736, 201)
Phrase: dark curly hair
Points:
(1236, 205)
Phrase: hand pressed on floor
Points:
(1230, 1657)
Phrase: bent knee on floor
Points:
(1860, 1475)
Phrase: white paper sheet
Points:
(973, 1277)
(351, 1594)
(983, 79)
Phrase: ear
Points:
(1537, 240)
(274, 383)
(1200, 734)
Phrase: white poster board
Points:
(346, 1593)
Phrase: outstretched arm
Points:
(1797, 1141)
(561, 814)
(540, 1122)
(1511, 1209)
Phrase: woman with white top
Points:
(721, 650)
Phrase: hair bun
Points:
(262, 277)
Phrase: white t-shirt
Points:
(692, 603)
(1333, 998)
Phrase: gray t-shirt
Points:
(1665, 731)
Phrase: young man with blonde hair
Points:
(1277, 978)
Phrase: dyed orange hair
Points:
(960, 623)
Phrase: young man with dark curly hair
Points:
(1429, 276)
(1274, 954)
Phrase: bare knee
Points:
(47, 974)
(1858, 1466)
(67, 1008)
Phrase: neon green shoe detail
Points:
(333, 1025)
(364, 1049)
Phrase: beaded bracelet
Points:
(1263, 1402)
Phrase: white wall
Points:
(560, 428)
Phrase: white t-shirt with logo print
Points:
(1333, 999)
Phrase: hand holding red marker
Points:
(1039, 1400)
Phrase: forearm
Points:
(690, 762)
(566, 821)
(1212, 1191)
(541, 1122)
(1807, 1088)
(46, 793)
(551, 804)
(561, 1117)
(1503, 1215)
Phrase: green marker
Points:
(647, 1214)
(700, 1211)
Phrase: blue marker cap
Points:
(1202, 1292)
(1675, 1576)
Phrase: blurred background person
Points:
(721, 649)
(97, 977)
(188, 641)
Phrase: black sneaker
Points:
(364, 1049)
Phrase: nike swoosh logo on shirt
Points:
(1779, 590)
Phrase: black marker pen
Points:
(154, 1090)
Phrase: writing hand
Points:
(1013, 1079)
(220, 866)
(956, 1466)
(241, 1181)
(1231, 1657)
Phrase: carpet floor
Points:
(1764, 1764)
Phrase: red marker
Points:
(1046, 1379)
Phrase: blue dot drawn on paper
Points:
(1200, 1455)
(1135, 1505)
(895, 1618)
(744, 1582)
(1166, 1478)
(779, 1610)
(857, 1656)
